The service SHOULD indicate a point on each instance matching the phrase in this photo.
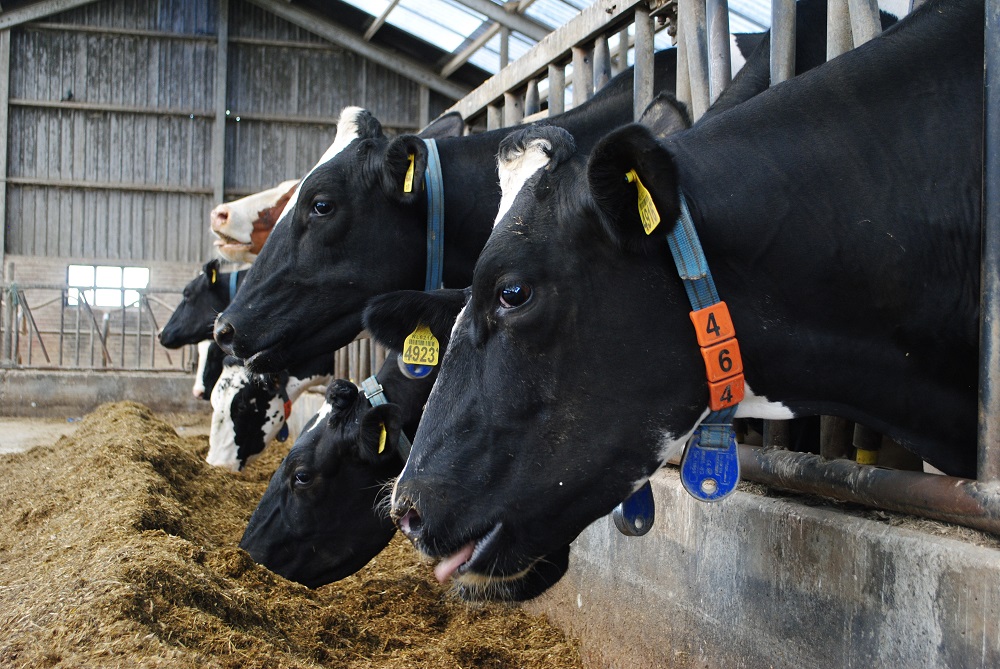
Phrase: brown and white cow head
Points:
(242, 226)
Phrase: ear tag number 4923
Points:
(421, 347)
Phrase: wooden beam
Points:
(218, 169)
(379, 21)
(518, 22)
(600, 16)
(319, 25)
(39, 10)
(465, 54)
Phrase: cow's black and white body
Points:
(210, 361)
(323, 514)
(350, 232)
(250, 410)
(839, 213)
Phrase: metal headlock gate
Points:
(701, 33)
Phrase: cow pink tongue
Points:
(447, 566)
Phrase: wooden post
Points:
(531, 100)
(494, 117)
(720, 59)
(643, 87)
(513, 109)
(557, 89)
(4, 132)
(838, 28)
(691, 14)
(602, 63)
(782, 40)
(424, 109)
(583, 75)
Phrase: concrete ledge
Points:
(47, 394)
(756, 581)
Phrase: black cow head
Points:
(545, 414)
(349, 233)
(203, 299)
(322, 517)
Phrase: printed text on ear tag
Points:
(381, 439)
(648, 214)
(421, 347)
(408, 179)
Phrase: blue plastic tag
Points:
(283, 433)
(709, 474)
(412, 371)
(634, 517)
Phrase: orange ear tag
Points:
(421, 347)
(408, 179)
(648, 214)
(381, 439)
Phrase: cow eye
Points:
(302, 479)
(514, 295)
(322, 208)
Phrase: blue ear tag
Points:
(634, 517)
(708, 473)
(283, 433)
(412, 371)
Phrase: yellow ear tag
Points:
(408, 179)
(421, 347)
(381, 439)
(212, 280)
(647, 210)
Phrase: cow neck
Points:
(375, 394)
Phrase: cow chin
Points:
(527, 584)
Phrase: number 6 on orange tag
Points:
(722, 360)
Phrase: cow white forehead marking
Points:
(517, 168)
(347, 132)
(319, 418)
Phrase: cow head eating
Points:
(323, 515)
(346, 234)
(518, 448)
(242, 226)
(319, 520)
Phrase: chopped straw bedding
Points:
(119, 549)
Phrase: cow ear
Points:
(449, 125)
(665, 116)
(378, 439)
(341, 395)
(403, 169)
(391, 317)
(630, 170)
(211, 270)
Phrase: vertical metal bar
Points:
(693, 20)
(602, 63)
(4, 120)
(643, 85)
(532, 105)
(364, 359)
(989, 329)
(513, 109)
(76, 361)
(621, 62)
(124, 327)
(683, 72)
(583, 75)
(219, 127)
(838, 28)
(782, 40)
(8, 335)
(557, 89)
(62, 324)
(138, 334)
(719, 57)
(865, 23)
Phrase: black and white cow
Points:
(210, 361)
(203, 298)
(839, 213)
(250, 410)
(351, 232)
(323, 514)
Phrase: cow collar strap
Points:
(434, 183)
(282, 392)
(375, 394)
(233, 278)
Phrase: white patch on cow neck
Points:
(738, 61)
(222, 438)
(198, 390)
(347, 132)
(515, 171)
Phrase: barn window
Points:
(105, 285)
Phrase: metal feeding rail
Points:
(701, 30)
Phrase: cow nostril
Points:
(407, 519)
(224, 333)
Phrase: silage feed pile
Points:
(119, 549)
